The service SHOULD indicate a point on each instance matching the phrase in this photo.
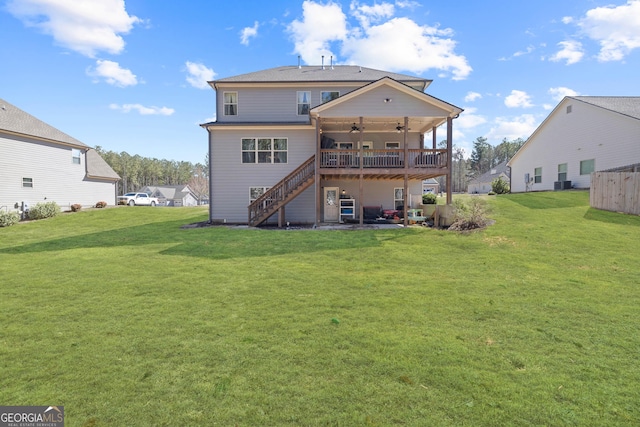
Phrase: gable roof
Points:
(14, 120)
(315, 74)
(18, 122)
(625, 105)
(493, 173)
(171, 191)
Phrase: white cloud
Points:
(393, 43)
(199, 75)
(320, 25)
(472, 96)
(249, 32)
(571, 51)
(557, 93)
(145, 111)
(512, 128)
(469, 120)
(86, 27)
(367, 14)
(616, 28)
(113, 74)
(567, 20)
(517, 99)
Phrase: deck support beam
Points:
(449, 159)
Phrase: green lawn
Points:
(128, 320)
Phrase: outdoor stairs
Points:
(282, 193)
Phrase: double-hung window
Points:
(264, 150)
(255, 192)
(75, 156)
(230, 103)
(304, 102)
(537, 175)
(562, 172)
(398, 197)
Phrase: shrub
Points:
(491, 193)
(44, 210)
(500, 186)
(470, 216)
(8, 218)
(76, 207)
(429, 199)
(101, 204)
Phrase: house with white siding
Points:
(483, 183)
(583, 134)
(316, 144)
(39, 163)
(172, 195)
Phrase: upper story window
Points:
(304, 103)
(231, 103)
(75, 156)
(264, 150)
(329, 96)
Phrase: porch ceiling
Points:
(380, 124)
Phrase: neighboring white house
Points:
(39, 163)
(482, 184)
(324, 142)
(583, 134)
(430, 185)
(172, 195)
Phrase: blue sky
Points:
(131, 75)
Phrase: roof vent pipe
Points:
(299, 66)
(332, 62)
(360, 70)
(323, 62)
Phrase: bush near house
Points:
(101, 204)
(470, 215)
(429, 199)
(76, 207)
(500, 186)
(44, 210)
(8, 218)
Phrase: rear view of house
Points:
(583, 134)
(324, 143)
(39, 163)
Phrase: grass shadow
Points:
(550, 200)
(216, 242)
(612, 217)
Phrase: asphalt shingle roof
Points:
(627, 105)
(337, 73)
(15, 120)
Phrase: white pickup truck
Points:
(133, 199)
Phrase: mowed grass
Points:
(128, 320)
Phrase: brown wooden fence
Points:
(616, 191)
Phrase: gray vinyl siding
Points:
(266, 105)
(371, 104)
(55, 177)
(378, 138)
(588, 132)
(232, 180)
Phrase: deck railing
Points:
(383, 158)
(273, 198)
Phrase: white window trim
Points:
(224, 103)
(391, 145)
(395, 189)
(26, 180)
(75, 151)
(256, 150)
(535, 175)
(300, 103)
(264, 190)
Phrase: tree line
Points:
(137, 172)
(484, 156)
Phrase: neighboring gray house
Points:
(583, 134)
(482, 184)
(39, 163)
(323, 141)
(172, 195)
(430, 185)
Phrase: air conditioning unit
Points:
(557, 185)
(566, 185)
